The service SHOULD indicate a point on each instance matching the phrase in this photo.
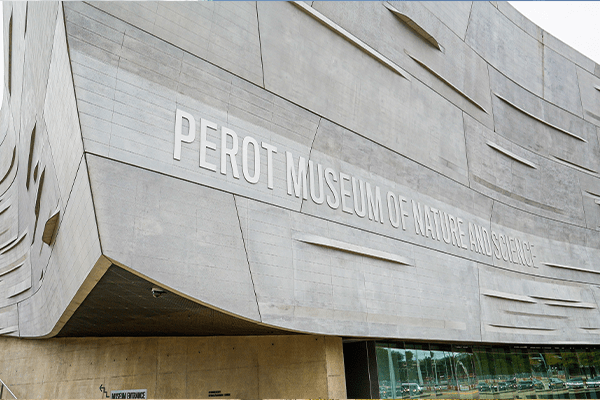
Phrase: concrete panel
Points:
(332, 84)
(542, 127)
(14, 96)
(552, 249)
(9, 153)
(506, 46)
(517, 308)
(520, 20)
(561, 86)
(319, 289)
(9, 216)
(119, 110)
(60, 115)
(437, 68)
(590, 190)
(351, 154)
(223, 34)
(42, 19)
(498, 168)
(590, 95)
(45, 201)
(566, 51)
(455, 16)
(75, 252)
(143, 220)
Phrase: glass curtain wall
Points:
(417, 370)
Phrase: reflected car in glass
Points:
(593, 382)
(538, 385)
(483, 387)
(434, 387)
(512, 383)
(555, 383)
(575, 383)
(411, 389)
(525, 385)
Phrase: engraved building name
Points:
(355, 196)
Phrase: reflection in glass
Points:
(486, 372)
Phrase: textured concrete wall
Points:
(243, 367)
(473, 117)
(481, 128)
(48, 237)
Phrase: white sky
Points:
(577, 23)
(574, 22)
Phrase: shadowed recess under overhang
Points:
(122, 304)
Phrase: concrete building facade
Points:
(296, 199)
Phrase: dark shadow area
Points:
(123, 304)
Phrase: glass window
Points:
(466, 379)
(443, 369)
(420, 371)
(417, 370)
(383, 371)
(485, 368)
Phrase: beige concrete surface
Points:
(175, 367)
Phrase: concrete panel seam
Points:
(506, 16)
(469, 25)
(262, 65)
(595, 298)
(312, 144)
(466, 149)
(247, 258)
(582, 204)
(81, 135)
(579, 90)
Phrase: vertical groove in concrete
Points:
(543, 66)
(308, 159)
(247, 258)
(466, 150)
(83, 156)
(262, 65)
(468, 23)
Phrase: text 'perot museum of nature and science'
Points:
(296, 200)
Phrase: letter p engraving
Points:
(179, 137)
